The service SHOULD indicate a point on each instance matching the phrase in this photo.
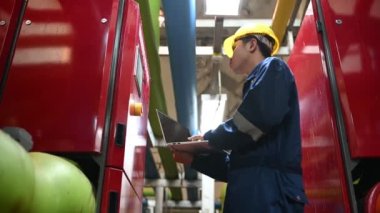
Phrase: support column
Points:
(159, 199)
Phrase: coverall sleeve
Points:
(264, 106)
(213, 165)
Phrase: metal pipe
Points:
(159, 199)
(180, 29)
(281, 16)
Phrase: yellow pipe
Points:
(281, 16)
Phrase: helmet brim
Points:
(227, 46)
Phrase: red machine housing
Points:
(74, 74)
(336, 63)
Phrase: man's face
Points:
(242, 52)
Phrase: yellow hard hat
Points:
(259, 29)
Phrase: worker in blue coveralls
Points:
(263, 168)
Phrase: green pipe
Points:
(149, 14)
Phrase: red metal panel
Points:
(124, 81)
(58, 82)
(322, 161)
(134, 157)
(9, 13)
(138, 169)
(136, 137)
(132, 72)
(353, 32)
(117, 183)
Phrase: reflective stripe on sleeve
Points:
(247, 127)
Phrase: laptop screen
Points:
(172, 131)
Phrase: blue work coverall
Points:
(263, 169)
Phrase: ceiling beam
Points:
(208, 50)
(231, 22)
(210, 23)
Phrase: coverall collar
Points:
(255, 70)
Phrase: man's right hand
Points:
(195, 138)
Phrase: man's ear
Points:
(252, 45)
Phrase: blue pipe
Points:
(180, 29)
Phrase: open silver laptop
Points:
(176, 136)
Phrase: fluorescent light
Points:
(222, 7)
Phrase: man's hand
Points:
(195, 138)
(182, 157)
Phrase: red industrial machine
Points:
(336, 63)
(74, 75)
